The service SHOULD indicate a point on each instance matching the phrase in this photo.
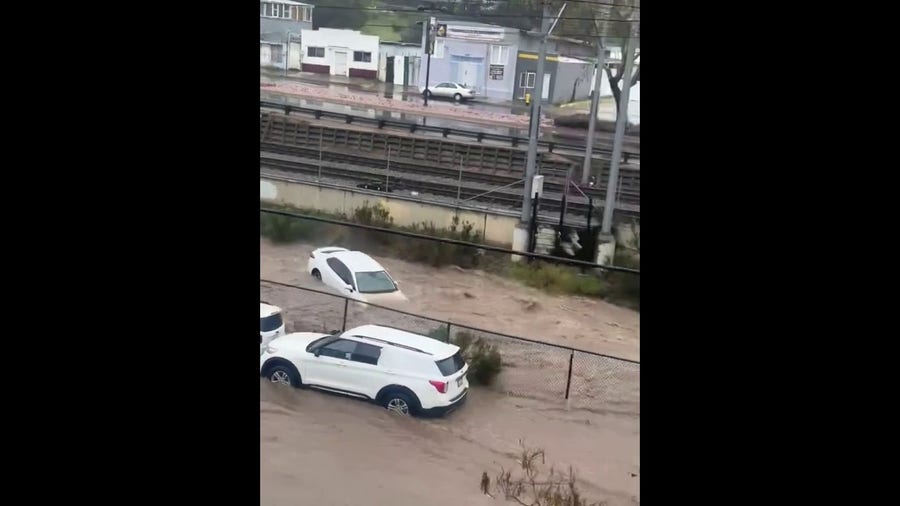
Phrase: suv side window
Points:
(342, 349)
(341, 270)
(366, 354)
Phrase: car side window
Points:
(342, 348)
(366, 353)
(341, 270)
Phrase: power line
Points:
(486, 247)
(480, 15)
(588, 2)
(401, 27)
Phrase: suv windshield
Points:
(374, 282)
(451, 365)
(270, 323)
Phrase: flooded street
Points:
(467, 297)
(321, 449)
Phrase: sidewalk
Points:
(398, 91)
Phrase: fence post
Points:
(448, 332)
(569, 378)
(344, 324)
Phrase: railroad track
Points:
(566, 146)
(553, 183)
(426, 182)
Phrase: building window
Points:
(307, 14)
(438, 49)
(294, 13)
(526, 79)
(315, 52)
(499, 55)
(262, 8)
(286, 11)
(362, 56)
(268, 8)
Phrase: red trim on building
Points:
(367, 74)
(318, 69)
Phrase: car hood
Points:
(384, 298)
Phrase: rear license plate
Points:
(459, 381)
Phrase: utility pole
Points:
(592, 121)
(429, 48)
(287, 54)
(621, 122)
(531, 161)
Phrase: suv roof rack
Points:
(398, 345)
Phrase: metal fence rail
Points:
(531, 369)
(445, 131)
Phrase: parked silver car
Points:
(456, 91)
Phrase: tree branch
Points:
(636, 76)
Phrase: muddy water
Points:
(468, 297)
(322, 449)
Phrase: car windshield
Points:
(374, 282)
(323, 341)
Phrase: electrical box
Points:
(537, 185)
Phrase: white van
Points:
(271, 324)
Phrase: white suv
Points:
(406, 373)
(271, 324)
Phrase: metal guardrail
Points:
(445, 131)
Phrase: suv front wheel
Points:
(283, 375)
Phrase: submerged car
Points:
(354, 275)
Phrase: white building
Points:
(399, 63)
(339, 53)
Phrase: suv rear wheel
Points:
(400, 403)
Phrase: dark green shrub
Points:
(284, 229)
(485, 362)
(557, 278)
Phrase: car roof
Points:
(330, 250)
(357, 261)
(267, 309)
(405, 339)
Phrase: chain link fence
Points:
(531, 369)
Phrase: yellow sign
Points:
(530, 56)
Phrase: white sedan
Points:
(456, 91)
(354, 275)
